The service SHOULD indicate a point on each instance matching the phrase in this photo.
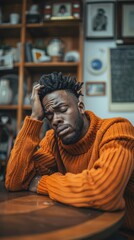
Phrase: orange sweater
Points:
(99, 168)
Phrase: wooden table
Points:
(28, 216)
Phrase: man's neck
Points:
(86, 124)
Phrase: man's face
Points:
(65, 115)
(100, 12)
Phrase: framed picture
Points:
(61, 10)
(95, 88)
(6, 62)
(100, 20)
(125, 21)
(37, 54)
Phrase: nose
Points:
(57, 119)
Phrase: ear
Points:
(81, 107)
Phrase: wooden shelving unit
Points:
(71, 33)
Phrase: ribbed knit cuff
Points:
(31, 127)
(42, 188)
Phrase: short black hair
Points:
(63, 7)
(101, 10)
(57, 81)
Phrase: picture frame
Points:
(6, 62)
(100, 20)
(37, 54)
(61, 11)
(125, 20)
(95, 88)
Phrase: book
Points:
(28, 52)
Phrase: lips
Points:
(62, 130)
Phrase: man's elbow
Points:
(11, 186)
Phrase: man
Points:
(62, 11)
(100, 20)
(83, 160)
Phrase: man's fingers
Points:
(36, 89)
(37, 86)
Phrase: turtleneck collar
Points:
(83, 145)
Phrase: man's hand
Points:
(34, 184)
(37, 110)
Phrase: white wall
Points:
(100, 104)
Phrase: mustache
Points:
(61, 127)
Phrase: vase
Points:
(55, 48)
(6, 93)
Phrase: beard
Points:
(76, 134)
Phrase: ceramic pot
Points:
(6, 93)
(55, 47)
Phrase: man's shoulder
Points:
(117, 120)
(108, 121)
(117, 125)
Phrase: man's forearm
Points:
(20, 168)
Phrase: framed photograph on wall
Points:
(125, 21)
(95, 88)
(100, 20)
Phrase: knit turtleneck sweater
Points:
(95, 172)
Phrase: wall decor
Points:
(121, 79)
(100, 20)
(13, 80)
(72, 56)
(95, 88)
(6, 62)
(61, 10)
(47, 11)
(97, 63)
(37, 54)
(125, 21)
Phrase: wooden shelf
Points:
(9, 107)
(69, 30)
(27, 107)
(17, 64)
(54, 23)
(51, 64)
(10, 26)
(11, 2)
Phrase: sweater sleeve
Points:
(25, 160)
(103, 185)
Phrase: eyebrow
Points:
(58, 105)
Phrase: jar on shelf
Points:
(6, 93)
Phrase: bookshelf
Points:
(68, 29)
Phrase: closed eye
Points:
(63, 109)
